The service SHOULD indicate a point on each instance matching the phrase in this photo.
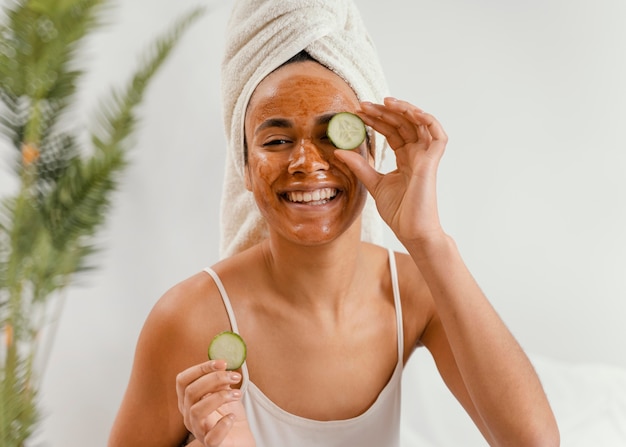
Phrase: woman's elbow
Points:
(544, 434)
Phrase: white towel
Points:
(261, 36)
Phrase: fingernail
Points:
(235, 377)
(236, 394)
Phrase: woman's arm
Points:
(476, 354)
(148, 415)
(173, 388)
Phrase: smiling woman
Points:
(531, 187)
(311, 287)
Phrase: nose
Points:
(307, 158)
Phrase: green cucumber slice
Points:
(230, 347)
(346, 130)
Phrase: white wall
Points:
(532, 95)
(532, 186)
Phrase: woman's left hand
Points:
(406, 197)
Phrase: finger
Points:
(361, 168)
(211, 385)
(394, 125)
(208, 406)
(195, 381)
(435, 130)
(400, 106)
(184, 378)
(216, 435)
(395, 120)
(415, 116)
(194, 372)
(434, 126)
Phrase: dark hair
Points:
(302, 56)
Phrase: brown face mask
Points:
(304, 192)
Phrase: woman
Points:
(329, 320)
(317, 307)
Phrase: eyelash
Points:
(276, 142)
(281, 141)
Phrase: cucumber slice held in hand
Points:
(346, 130)
(230, 347)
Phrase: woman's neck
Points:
(320, 276)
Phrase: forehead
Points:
(301, 89)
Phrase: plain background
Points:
(532, 186)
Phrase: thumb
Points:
(361, 168)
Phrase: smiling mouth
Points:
(316, 197)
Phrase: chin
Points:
(317, 236)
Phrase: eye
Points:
(276, 142)
(323, 138)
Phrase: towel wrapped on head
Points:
(261, 36)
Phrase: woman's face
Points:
(302, 190)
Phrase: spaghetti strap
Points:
(378, 425)
(398, 305)
(396, 298)
(231, 318)
(225, 299)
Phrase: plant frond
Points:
(39, 45)
(13, 118)
(26, 227)
(42, 38)
(5, 245)
(81, 198)
(78, 204)
(118, 118)
(57, 152)
(18, 404)
(48, 229)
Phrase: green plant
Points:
(65, 179)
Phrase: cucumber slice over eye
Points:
(230, 347)
(346, 130)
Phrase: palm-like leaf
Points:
(41, 45)
(47, 230)
(78, 203)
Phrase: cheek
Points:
(261, 173)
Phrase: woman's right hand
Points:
(211, 408)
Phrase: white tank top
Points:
(378, 426)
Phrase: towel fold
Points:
(261, 36)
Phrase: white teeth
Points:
(318, 196)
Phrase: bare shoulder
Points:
(191, 311)
(417, 305)
(174, 337)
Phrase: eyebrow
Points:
(324, 119)
(285, 123)
(274, 122)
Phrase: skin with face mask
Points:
(313, 282)
(306, 194)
